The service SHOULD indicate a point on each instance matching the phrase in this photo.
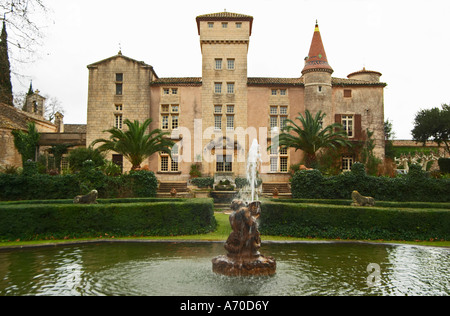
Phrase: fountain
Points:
(244, 258)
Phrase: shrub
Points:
(205, 182)
(142, 183)
(242, 182)
(79, 155)
(43, 186)
(195, 171)
(349, 222)
(164, 218)
(416, 186)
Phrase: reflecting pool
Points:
(156, 268)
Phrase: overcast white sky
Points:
(407, 41)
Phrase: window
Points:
(218, 64)
(118, 107)
(64, 163)
(164, 163)
(238, 25)
(166, 91)
(230, 88)
(118, 121)
(319, 88)
(347, 93)
(169, 116)
(283, 92)
(224, 163)
(273, 122)
(170, 164)
(174, 160)
(273, 164)
(217, 109)
(283, 164)
(283, 121)
(230, 122)
(119, 86)
(174, 91)
(224, 25)
(218, 87)
(217, 122)
(274, 91)
(278, 159)
(210, 25)
(347, 162)
(165, 122)
(165, 108)
(348, 124)
(278, 116)
(174, 121)
(119, 89)
(230, 64)
(230, 109)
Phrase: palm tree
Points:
(134, 144)
(312, 136)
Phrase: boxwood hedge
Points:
(26, 221)
(350, 222)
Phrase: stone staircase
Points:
(282, 187)
(166, 187)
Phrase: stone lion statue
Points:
(359, 200)
(90, 198)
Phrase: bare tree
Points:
(25, 21)
(52, 106)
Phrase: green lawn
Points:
(220, 234)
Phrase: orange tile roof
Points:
(224, 16)
(317, 59)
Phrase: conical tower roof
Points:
(317, 59)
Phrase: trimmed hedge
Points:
(420, 205)
(43, 186)
(415, 186)
(350, 222)
(58, 220)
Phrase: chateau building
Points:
(214, 118)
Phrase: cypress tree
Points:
(30, 90)
(6, 95)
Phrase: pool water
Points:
(159, 268)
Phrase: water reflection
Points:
(185, 269)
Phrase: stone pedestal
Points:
(229, 266)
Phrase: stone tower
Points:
(224, 41)
(34, 103)
(317, 79)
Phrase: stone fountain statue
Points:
(243, 258)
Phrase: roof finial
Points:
(120, 49)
